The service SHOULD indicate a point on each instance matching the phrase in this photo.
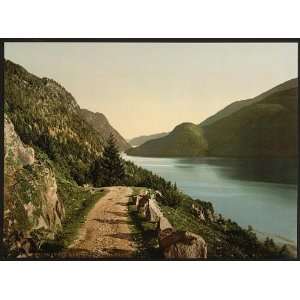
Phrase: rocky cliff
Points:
(32, 210)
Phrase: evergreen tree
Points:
(109, 169)
(175, 186)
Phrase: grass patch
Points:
(184, 220)
(220, 243)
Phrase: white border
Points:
(148, 19)
(150, 280)
(155, 18)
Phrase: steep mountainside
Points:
(48, 147)
(137, 141)
(235, 106)
(33, 211)
(47, 117)
(99, 122)
(267, 128)
(186, 139)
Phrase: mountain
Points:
(47, 117)
(262, 127)
(235, 106)
(49, 149)
(186, 139)
(100, 123)
(137, 141)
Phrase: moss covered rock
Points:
(32, 210)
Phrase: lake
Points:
(260, 193)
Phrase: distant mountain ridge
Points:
(100, 123)
(237, 105)
(261, 127)
(264, 129)
(139, 140)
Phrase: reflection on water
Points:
(257, 192)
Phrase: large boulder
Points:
(179, 244)
(184, 245)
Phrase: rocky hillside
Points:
(137, 141)
(100, 123)
(186, 139)
(33, 212)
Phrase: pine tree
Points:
(109, 169)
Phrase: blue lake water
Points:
(251, 192)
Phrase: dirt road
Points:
(106, 232)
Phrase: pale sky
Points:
(146, 88)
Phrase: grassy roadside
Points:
(225, 238)
(182, 219)
(144, 232)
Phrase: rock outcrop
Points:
(173, 243)
(32, 210)
(198, 211)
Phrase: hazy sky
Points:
(149, 88)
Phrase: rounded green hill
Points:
(186, 139)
